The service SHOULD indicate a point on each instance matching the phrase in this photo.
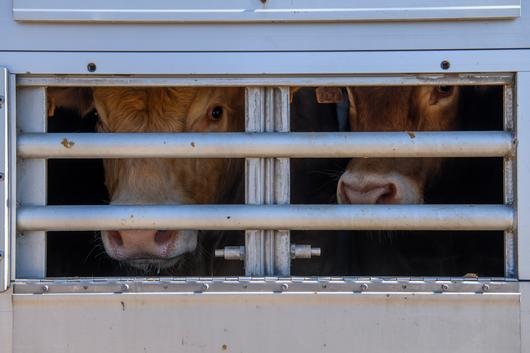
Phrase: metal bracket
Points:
(4, 183)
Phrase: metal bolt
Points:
(299, 251)
(485, 287)
(445, 65)
(284, 287)
(205, 287)
(364, 286)
(231, 253)
(124, 287)
(45, 288)
(445, 287)
(91, 67)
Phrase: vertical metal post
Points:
(32, 184)
(522, 200)
(267, 252)
(509, 182)
(4, 182)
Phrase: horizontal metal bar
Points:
(241, 217)
(259, 145)
(271, 80)
(267, 285)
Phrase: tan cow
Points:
(157, 180)
(404, 108)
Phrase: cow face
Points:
(401, 180)
(164, 181)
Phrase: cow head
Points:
(399, 180)
(160, 180)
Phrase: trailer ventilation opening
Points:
(366, 178)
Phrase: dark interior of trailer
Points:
(313, 181)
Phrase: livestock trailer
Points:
(275, 301)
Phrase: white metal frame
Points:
(268, 253)
(5, 252)
(262, 11)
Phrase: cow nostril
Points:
(163, 236)
(115, 238)
(388, 195)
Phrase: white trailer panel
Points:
(404, 322)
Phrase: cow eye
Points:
(216, 113)
(444, 91)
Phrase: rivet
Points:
(91, 67)
(364, 286)
(445, 287)
(124, 287)
(205, 286)
(445, 65)
(45, 288)
(485, 287)
(284, 287)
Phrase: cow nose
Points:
(127, 244)
(385, 193)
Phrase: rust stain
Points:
(411, 134)
(122, 306)
(66, 143)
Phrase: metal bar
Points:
(254, 182)
(263, 285)
(281, 258)
(32, 183)
(240, 217)
(270, 80)
(266, 145)
(12, 166)
(267, 182)
(522, 199)
(5, 178)
(250, 12)
(509, 162)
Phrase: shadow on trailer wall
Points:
(314, 181)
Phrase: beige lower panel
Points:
(267, 323)
(525, 316)
(6, 322)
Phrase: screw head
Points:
(91, 67)
(445, 287)
(284, 287)
(364, 286)
(485, 287)
(445, 65)
(205, 286)
(45, 288)
(124, 287)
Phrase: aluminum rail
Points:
(240, 217)
(262, 145)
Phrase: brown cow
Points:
(404, 108)
(157, 180)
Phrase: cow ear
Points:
(78, 99)
(329, 94)
(292, 92)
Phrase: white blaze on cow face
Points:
(164, 181)
(398, 180)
